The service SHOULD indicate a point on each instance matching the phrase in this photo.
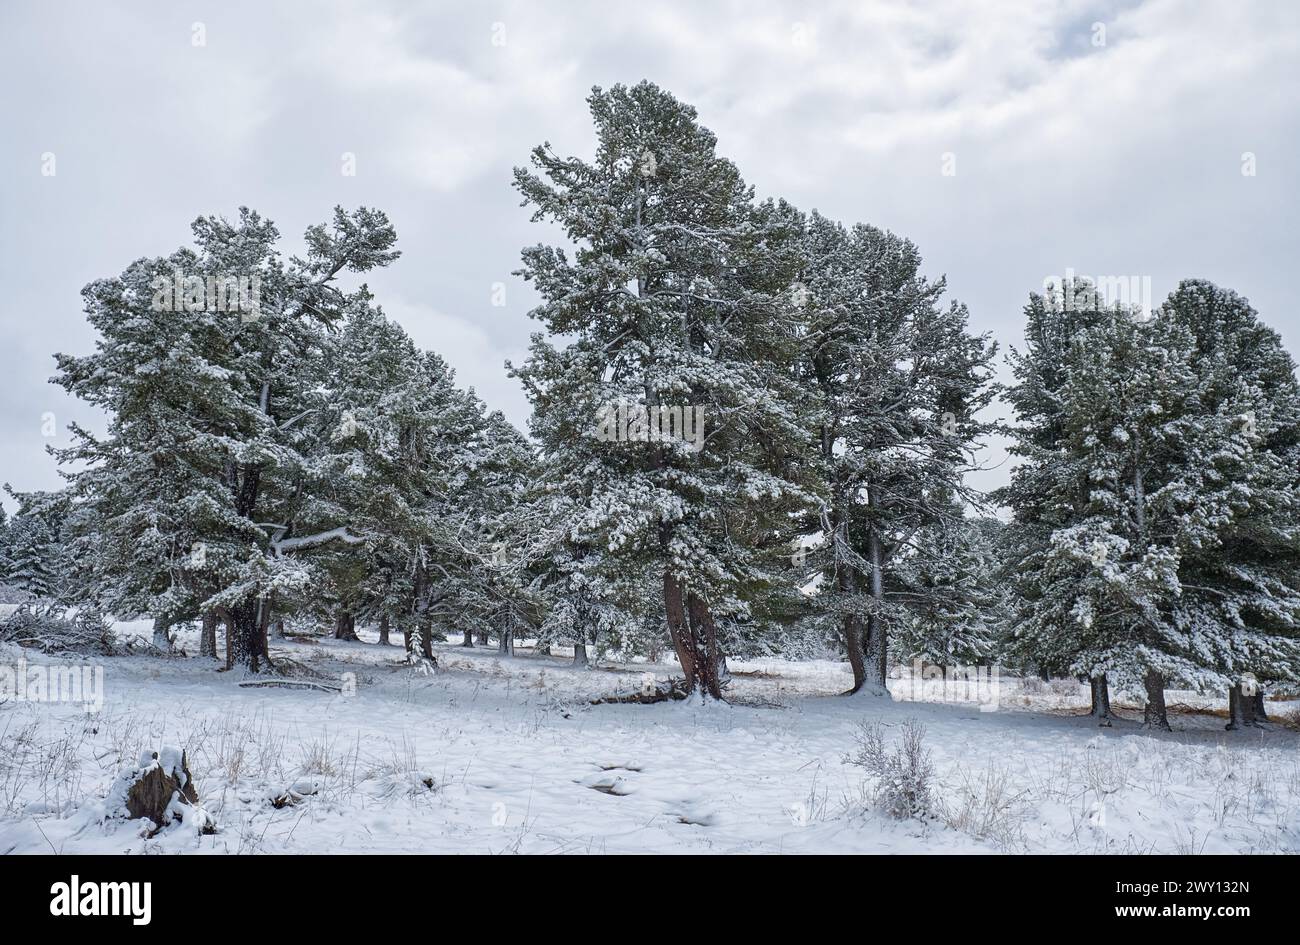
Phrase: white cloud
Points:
(1115, 159)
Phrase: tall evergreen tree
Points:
(676, 296)
(34, 557)
(216, 417)
(1049, 487)
(1133, 423)
(1239, 611)
(902, 383)
(1155, 513)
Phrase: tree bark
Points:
(208, 635)
(1261, 715)
(345, 627)
(1156, 715)
(426, 640)
(878, 634)
(161, 637)
(1100, 699)
(383, 630)
(506, 642)
(229, 622)
(856, 650)
(853, 643)
(708, 660)
(246, 636)
(580, 654)
(1241, 710)
(677, 629)
(245, 631)
(279, 629)
(694, 636)
(423, 631)
(1234, 708)
(264, 625)
(468, 639)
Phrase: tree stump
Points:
(161, 790)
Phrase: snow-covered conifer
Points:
(666, 392)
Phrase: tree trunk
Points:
(279, 628)
(468, 639)
(383, 630)
(694, 636)
(229, 622)
(406, 642)
(857, 655)
(1234, 708)
(423, 631)
(853, 643)
(1100, 699)
(677, 629)
(247, 635)
(1260, 714)
(1155, 715)
(208, 635)
(878, 634)
(161, 638)
(708, 660)
(345, 627)
(580, 654)
(264, 626)
(506, 642)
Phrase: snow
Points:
(506, 754)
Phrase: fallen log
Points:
(289, 684)
(672, 691)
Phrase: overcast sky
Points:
(1111, 149)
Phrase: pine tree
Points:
(1239, 611)
(1155, 516)
(33, 553)
(216, 419)
(431, 479)
(1134, 424)
(676, 296)
(587, 604)
(901, 383)
(1048, 489)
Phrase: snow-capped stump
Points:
(160, 790)
(617, 786)
(295, 793)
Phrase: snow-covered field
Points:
(495, 754)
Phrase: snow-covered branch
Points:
(281, 545)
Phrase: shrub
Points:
(902, 773)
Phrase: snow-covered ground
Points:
(494, 754)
